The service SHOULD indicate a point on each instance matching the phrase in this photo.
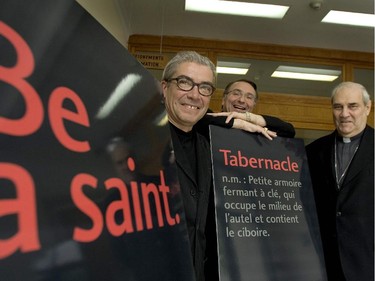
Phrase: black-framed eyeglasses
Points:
(239, 94)
(185, 83)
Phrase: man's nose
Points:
(242, 97)
(194, 93)
(345, 111)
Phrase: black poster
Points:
(88, 185)
(266, 219)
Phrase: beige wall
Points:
(107, 13)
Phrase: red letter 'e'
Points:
(57, 114)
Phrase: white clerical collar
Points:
(347, 139)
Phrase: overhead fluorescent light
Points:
(227, 67)
(231, 70)
(305, 73)
(236, 8)
(349, 18)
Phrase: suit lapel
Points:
(329, 155)
(182, 161)
(363, 155)
(204, 163)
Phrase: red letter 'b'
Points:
(15, 76)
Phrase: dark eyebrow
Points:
(235, 89)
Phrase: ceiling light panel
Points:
(349, 18)
(228, 67)
(231, 70)
(304, 73)
(236, 8)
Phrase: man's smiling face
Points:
(241, 97)
(349, 111)
(186, 108)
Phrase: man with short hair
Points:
(187, 85)
(239, 100)
(342, 173)
(242, 96)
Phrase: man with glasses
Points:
(239, 100)
(187, 85)
(242, 96)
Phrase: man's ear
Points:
(368, 106)
(163, 86)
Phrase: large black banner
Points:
(266, 219)
(88, 187)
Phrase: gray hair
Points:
(365, 95)
(187, 56)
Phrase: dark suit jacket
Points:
(195, 196)
(346, 216)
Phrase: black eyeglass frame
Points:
(248, 95)
(193, 84)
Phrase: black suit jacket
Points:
(195, 196)
(346, 216)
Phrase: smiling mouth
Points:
(191, 107)
(239, 108)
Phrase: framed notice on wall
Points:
(266, 220)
